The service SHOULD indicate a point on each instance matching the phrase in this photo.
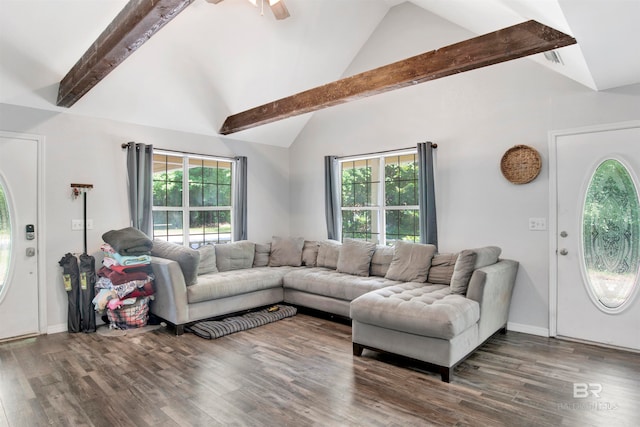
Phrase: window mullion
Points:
(185, 200)
(382, 224)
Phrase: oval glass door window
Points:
(611, 236)
(5, 237)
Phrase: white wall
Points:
(474, 118)
(85, 150)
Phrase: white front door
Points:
(19, 312)
(598, 235)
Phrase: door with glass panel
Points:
(598, 235)
(19, 313)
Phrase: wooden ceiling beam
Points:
(514, 42)
(138, 21)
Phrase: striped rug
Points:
(212, 329)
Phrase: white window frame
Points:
(381, 208)
(185, 208)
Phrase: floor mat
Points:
(212, 329)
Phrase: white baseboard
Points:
(55, 329)
(528, 329)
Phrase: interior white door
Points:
(19, 312)
(598, 235)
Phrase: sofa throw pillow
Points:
(411, 262)
(355, 257)
(235, 256)
(207, 260)
(380, 261)
(188, 259)
(310, 253)
(462, 272)
(486, 256)
(286, 251)
(328, 254)
(442, 269)
(261, 258)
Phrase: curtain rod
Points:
(433, 145)
(125, 145)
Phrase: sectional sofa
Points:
(406, 299)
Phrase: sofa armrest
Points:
(170, 300)
(491, 287)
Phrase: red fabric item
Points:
(118, 278)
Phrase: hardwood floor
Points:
(300, 371)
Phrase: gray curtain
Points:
(240, 199)
(427, 196)
(332, 196)
(140, 175)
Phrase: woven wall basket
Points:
(520, 164)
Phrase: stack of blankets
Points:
(125, 280)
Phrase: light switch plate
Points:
(537, 224)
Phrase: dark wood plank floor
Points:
(300, 371)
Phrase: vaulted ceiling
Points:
(216, 60)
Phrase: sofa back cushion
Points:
(328, 254)
(380, 261)
(411, 262)
(207, 260)
(485, 256)
(235, 256)
(355, 257)
(442, 269)
(286, 251)
(261, 257)
(310, 253)
(463, 269)
(188, 259)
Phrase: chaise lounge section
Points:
(429, 323)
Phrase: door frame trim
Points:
(553, 207)
(40, 218)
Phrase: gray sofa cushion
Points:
(415, 308)
(462, 272)
(310, 253)
(441, 269)
(261, 258)
(411, 262)
(232, 283)
(286, 251)
(207, 260)
(330, 283)
(187, 258)
(328, 254)
(381, 260)
(235, 256)
(355, 257)
(486, 256)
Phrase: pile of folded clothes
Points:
(125, 281)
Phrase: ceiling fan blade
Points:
(279, 9)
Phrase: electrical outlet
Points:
(537, 224)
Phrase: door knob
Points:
(563, 234)
(31, 252)
(563, 251)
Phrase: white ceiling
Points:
(212, 61)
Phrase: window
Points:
(611, 235)
(202, 213)
(5, 237)
(380, 198)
